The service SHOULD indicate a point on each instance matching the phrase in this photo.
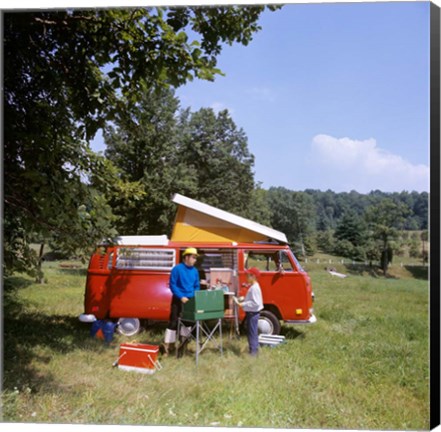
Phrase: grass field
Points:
(363, 365)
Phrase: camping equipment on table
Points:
(138, 357)
(224, 279)
(204, 306)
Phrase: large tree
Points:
(201, 154)
(351, 235)
(216, 151)
(294, 214)
(66, 74)
(385, 220)
(142, 144)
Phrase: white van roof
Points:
(142, 240)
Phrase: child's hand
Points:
(237, 301)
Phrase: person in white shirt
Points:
(252, 304)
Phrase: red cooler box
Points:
(139, 358)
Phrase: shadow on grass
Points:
(418, 272)
(30, 337)
(364, 270)
(153, 333)
(291, 333)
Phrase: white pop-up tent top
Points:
(199, 222)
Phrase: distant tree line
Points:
(363, 227)
(331, 206)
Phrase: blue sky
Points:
(331, 96)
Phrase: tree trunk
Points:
(40, 276)
(384, 262)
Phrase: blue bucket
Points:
(108, 330)
(96, 326)
(103, 329)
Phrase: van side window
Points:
(267, 261)
(145, 259)
(286, 263)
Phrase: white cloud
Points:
(363, 166)
(217, 107)
(262, 94)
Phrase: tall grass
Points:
(363, 365)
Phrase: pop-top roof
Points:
(196, 221)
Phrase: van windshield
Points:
(298, 265)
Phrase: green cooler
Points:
(205, 305)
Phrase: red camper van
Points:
(128, 281)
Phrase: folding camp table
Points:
(204, 306)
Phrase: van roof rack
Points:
(269, 241)
(140, 240)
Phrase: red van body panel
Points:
(289, 294)
(97, 295)
(113, 292)
(140, 294)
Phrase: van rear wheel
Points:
(268, 323)
(128, 326)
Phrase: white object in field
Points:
(340, 275)
(271, 340)
(87, 318)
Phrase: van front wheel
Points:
(268, 323)
(128, 326)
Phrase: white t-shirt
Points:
(253, 299)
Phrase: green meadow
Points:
(363, 365)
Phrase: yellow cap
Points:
(190, 251)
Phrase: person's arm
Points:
(252, 298)
(197, 283)
(174, 276)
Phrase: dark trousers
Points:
(253, 336)
(175, 312)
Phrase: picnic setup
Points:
(217, 274)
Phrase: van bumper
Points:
(311, 320)
(87, 318)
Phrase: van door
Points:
(139, 282)
(283, 284)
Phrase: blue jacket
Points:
(184, 280)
